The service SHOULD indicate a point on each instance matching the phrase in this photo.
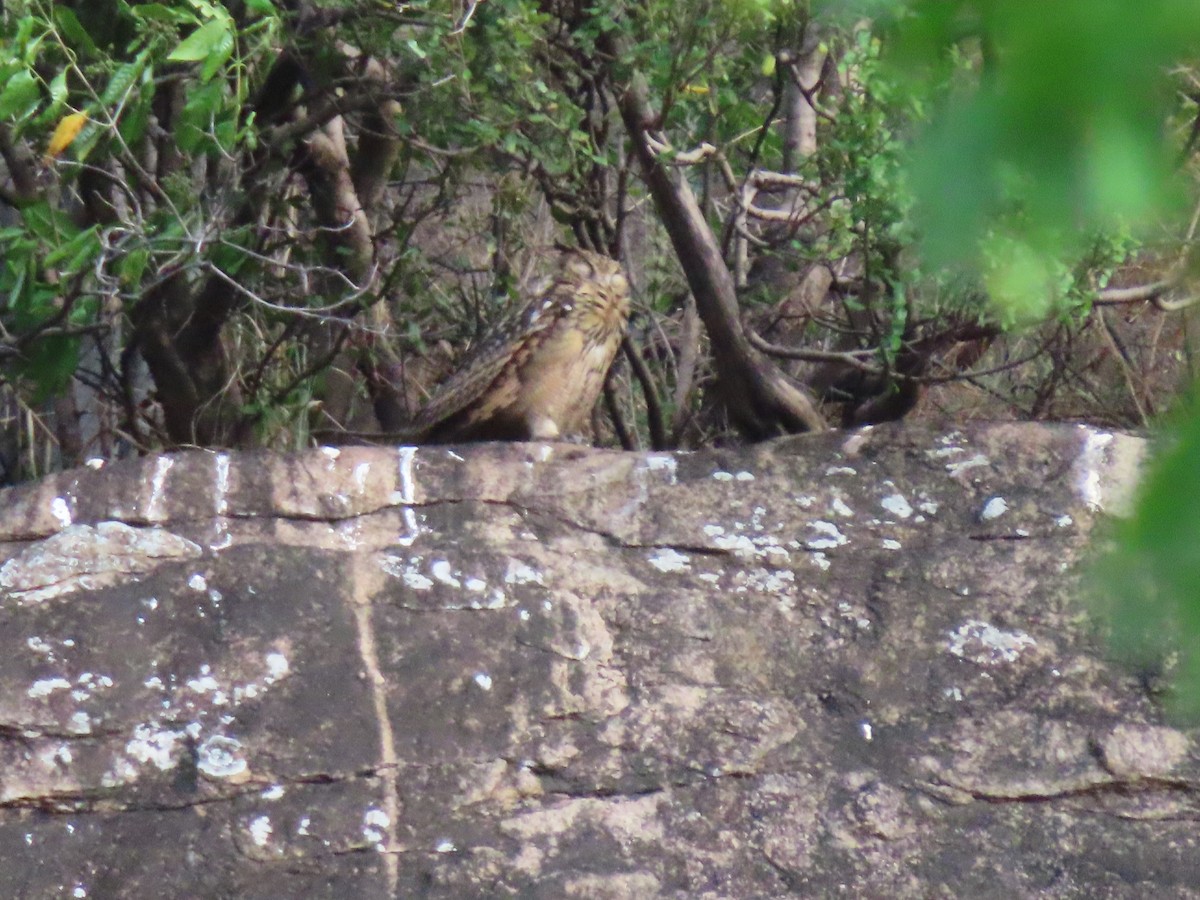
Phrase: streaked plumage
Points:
(538, 375)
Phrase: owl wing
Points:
(508, 344)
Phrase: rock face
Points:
(838, 665)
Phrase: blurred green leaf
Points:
(20, 95)
(205, 41)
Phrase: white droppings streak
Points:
(158, 481)
(1091, 462)
(361, 471)
(407, 495)
(221, 498)
(60, 511)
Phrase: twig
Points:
(654, 420)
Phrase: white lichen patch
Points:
(417, 582)
(993, 509)
(444, 572)
(976, 461)
(661, 462)
(220, 756)
(207, 706)
(986, 645)
(828, 538)
(90, 557)
(44, 687)
(773, 582)
(40, 646)
(668, 560)
(897, 505)
(479, 594)
(517, 572)
(260, 830)
(56, 755)
(153, 745)
(375, 825)
(277, 667)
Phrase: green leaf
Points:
(132, 266)
(123, 78)
(48, 223)
(77, 36)
(219, 55)
(20, 95)
(202, 42)
(73, 253)
(157, 12)
(49, 364)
